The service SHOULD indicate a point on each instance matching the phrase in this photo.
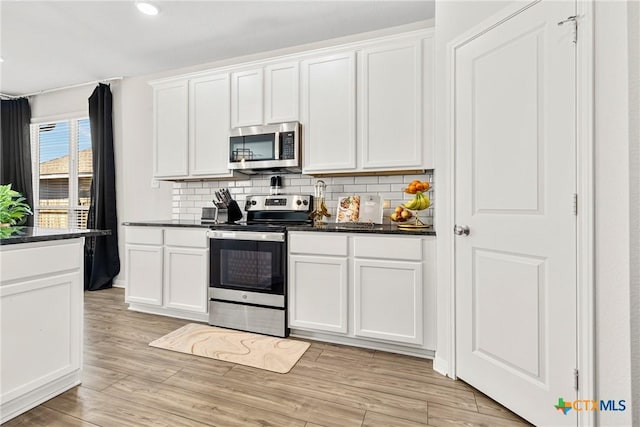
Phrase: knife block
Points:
(233, 212)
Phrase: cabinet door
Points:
(329, 113)
(209, 125)
(390, 106)
(318, 293)
(246, 98)
(144, 274)
(170, 130)
(388, 300)
(281, 93)
(186, 278)
(428, 103)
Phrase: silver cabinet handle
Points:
(461, 230)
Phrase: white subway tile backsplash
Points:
(390, 179)
(340, 180)
(366, 180)
(351, 189)
(188, 198)
(376, 188)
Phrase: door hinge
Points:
(574, 203)
(576, 376)
(573, 20)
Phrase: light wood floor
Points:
(128, 383)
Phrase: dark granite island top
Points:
(14, 235)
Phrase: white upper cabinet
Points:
(209, 124)
(171, 129)
(247, 98)
(390, 106)
(281, 87)
(428, 88)
(329, 113)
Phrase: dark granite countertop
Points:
(14, 235)
(329, 227)
(366, 228)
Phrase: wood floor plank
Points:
(105, 410)
(98, 378)
(42, 416)
(216, 408)
(345, 394)
(253, 394)
(446, 416)
(390, 369)
(374, 419)
(490, 407)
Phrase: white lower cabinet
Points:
(144, 274)
(388, 300)
(167, 271)
(319, 298)
(363, 289)
(185, 271)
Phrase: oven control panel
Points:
(281, 202)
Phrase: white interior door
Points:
(514, 186)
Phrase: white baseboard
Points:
(441, 365)
(119, 283)
(21, 404)
(363, 343)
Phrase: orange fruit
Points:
(412, 188)
(419, 187)
(426, 185)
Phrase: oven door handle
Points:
(245, 235)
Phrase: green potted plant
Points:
(13, 209)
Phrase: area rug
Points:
(259, 351)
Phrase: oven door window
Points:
(248, 265)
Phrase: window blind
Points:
(64, 172)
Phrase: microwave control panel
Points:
(287, 146)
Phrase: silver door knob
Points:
(461, 230)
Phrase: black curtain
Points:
(15, 148)
(102, 262)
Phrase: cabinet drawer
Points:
(144, 235)
(318, 244)
(192, 238)
(39, 258)
(405, 249)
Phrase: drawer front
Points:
(40, 258)
(191, 238)
(318, 243)
(144, 235)
(400, 248)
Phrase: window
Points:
(63, 169)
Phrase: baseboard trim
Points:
(22, 404)
(363, 343)
(197, 317)
(441, 366)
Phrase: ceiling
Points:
(49, 44)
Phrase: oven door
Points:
(248, 267)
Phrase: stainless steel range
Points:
(248, 267)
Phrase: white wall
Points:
(634, 171)
(612, 266)
(612, 146)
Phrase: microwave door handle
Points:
(276, 143)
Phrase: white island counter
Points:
(41, 309)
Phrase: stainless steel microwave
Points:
(256, 149)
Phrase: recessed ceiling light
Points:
(147, 8)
